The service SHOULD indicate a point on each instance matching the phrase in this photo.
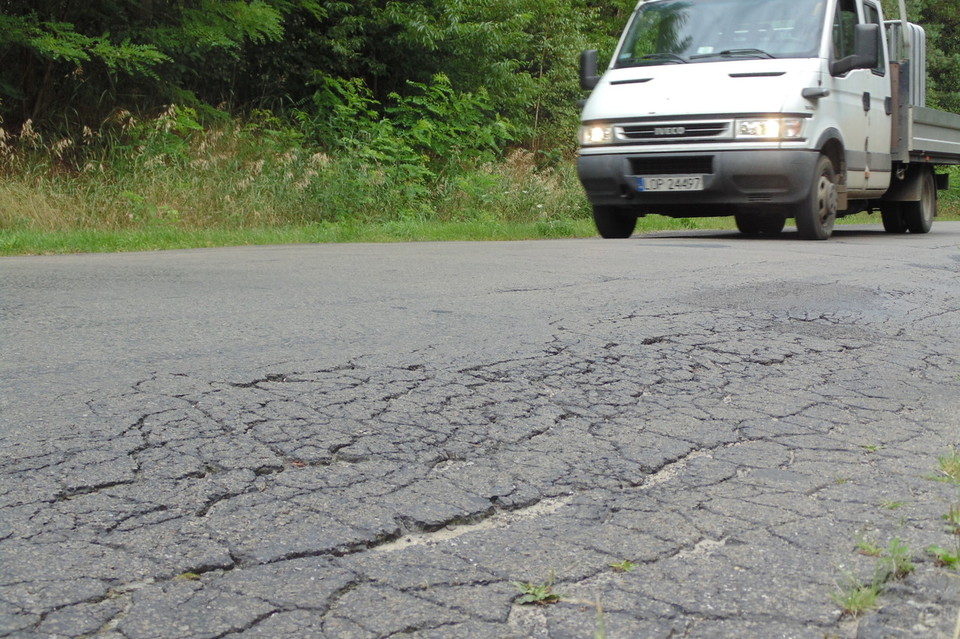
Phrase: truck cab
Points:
(760, 109)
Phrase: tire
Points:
(918, 216)
(891, 213)
(748, 223)
(817, 213)
(614, 222)
(760, 223)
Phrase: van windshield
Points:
(689, 31)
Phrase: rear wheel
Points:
(817, 213)
(918, 216)
(759, 223)
(614, 222)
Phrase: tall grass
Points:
(171, 172)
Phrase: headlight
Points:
(770, 128)
(596, 134)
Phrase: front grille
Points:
(683, 165)
(662, 132)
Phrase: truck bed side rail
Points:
(934, 136)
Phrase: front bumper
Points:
(733, 180)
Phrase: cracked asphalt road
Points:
(379, 440)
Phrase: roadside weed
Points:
(542, 593)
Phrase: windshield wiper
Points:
(656, 57)
(733, 53)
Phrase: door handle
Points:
(866, 101)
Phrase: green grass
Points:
(166, 237)
(29, 242)
(156, 237)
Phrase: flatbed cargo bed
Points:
(934, 136)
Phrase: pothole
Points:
(671, 471)
(502, 519)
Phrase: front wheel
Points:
(817, 213)
(918, 216)
(614, 222)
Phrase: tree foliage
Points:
(83, 59)
(510, 63)
(941, 21)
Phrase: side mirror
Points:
(866, 44)
(588, 70)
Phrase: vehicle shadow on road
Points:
(789, 234)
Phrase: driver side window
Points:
(873, 17)
(844, 23)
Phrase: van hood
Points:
(704, 88)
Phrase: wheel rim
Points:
(826, 202)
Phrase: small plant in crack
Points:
(953, 521)
(945, 557)
(896, 562)
(869, 547)
(542, 593)
(949, 470)
(893, 562)
(893, 505)
(187, 576)
(623, 566)
(855, 598)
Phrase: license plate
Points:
(670, 183)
